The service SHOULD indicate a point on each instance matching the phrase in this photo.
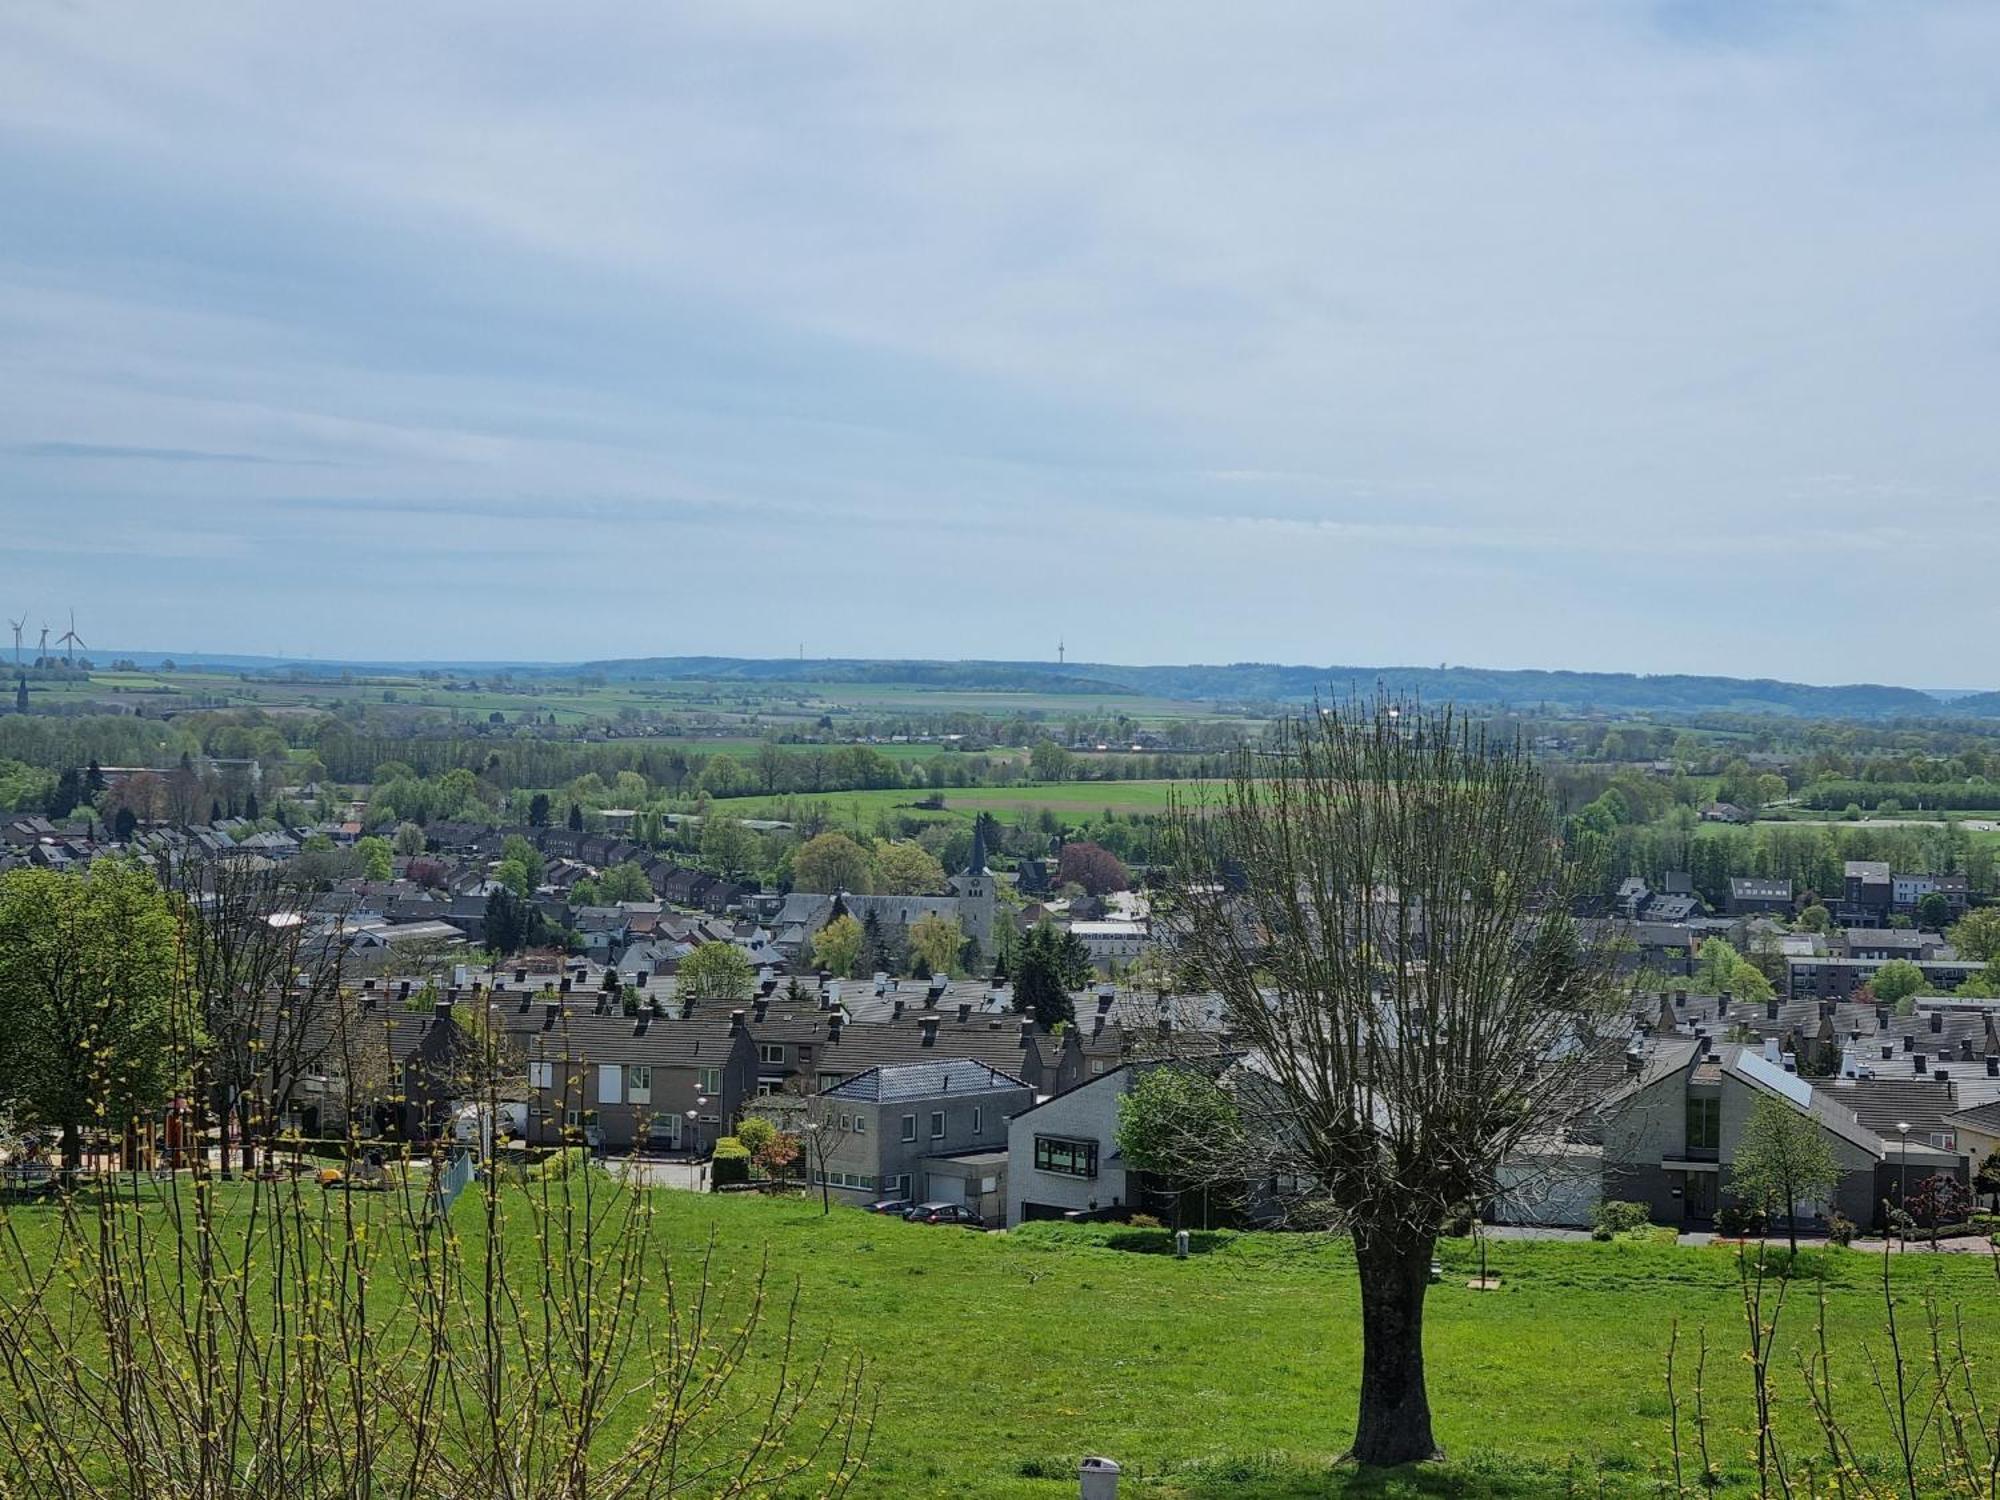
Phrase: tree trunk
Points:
(72, 1147)
(1395, 1421)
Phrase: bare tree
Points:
(1381, 900)
(265, 988)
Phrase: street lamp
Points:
(1903, 1177)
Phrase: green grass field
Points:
(1002, 1359)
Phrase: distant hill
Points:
(1266, 682)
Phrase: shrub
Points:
(560, 1164)
(731, 1163)
(1735, 1221)
(1144, 1221)
(1840, 1229)
(1617, 1216)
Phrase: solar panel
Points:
(1775, 1078)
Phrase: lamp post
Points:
(1903, 1177)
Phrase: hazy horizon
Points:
(1651, 339)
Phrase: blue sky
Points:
(1580, 335)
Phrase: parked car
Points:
(896, 1206)
(944, 1213)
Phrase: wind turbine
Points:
(15, 626)
(42, 651)
(70, 638)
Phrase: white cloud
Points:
(1653, 317)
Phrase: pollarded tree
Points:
(1782, 1160)
(1379, 897)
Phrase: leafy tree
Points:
(716, 971)
(1173, 1119)
(626, 882)
(538, 810)
(936, 941)
(1782, 1160)
(67, 794)
(830, 863)
(1719, 967)
(1815, 918)
(87, 1013)
(1977, 934)
(575, 818)
(1933, 911)
(727, 846)
(1093, 867)
(1289, 901)
(250, 809)
(376, 858)
(124, 825)
(837, 945)
(1897, 981)
(756, 1132)
(1987, 1180)
(1039, 989)
(907, 869)
(513, 922)
(1048, 761)
(520, 866)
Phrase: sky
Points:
(1602, 336)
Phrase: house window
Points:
(861, 1124)
(710, 1081)
(1944, 1140)
(610, 1083)
(937, 1124)
(909, 1127)
(847, 1122)
(639, 1085)
(771, 1052)
(975, 1119)
(1704, 1122)
(541, 1075)
(1069, 1158)
(767, 1087)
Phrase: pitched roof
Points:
(952, 1076)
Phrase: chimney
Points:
(1887, 1052)
(1771, 1009)
(1722, 1005)
(930, 1028)
(896, 1014)
(833, 1025)
(639, 977)
(563, 987)
(1849, 1064)
(1096, 1026)
(964, 1011)
(1789, 1061)
(1635, 1061)
(1918, 1063)
(367, 984)
(1937, 1020)
(1770, 1049)
(735, 1023)
(1941, 1075)
(760, 1007)
(403, 990)
(1680, 999)
(1881, 1018)
(445, 1002)
(520, 976)
(1993, 1065)
(687, 1007)
(1027, 1030)
(1909, 1043)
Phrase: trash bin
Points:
(1097, 1479)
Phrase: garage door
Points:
(945, 1189)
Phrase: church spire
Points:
(976, 865)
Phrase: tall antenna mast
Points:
(1059, 650)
